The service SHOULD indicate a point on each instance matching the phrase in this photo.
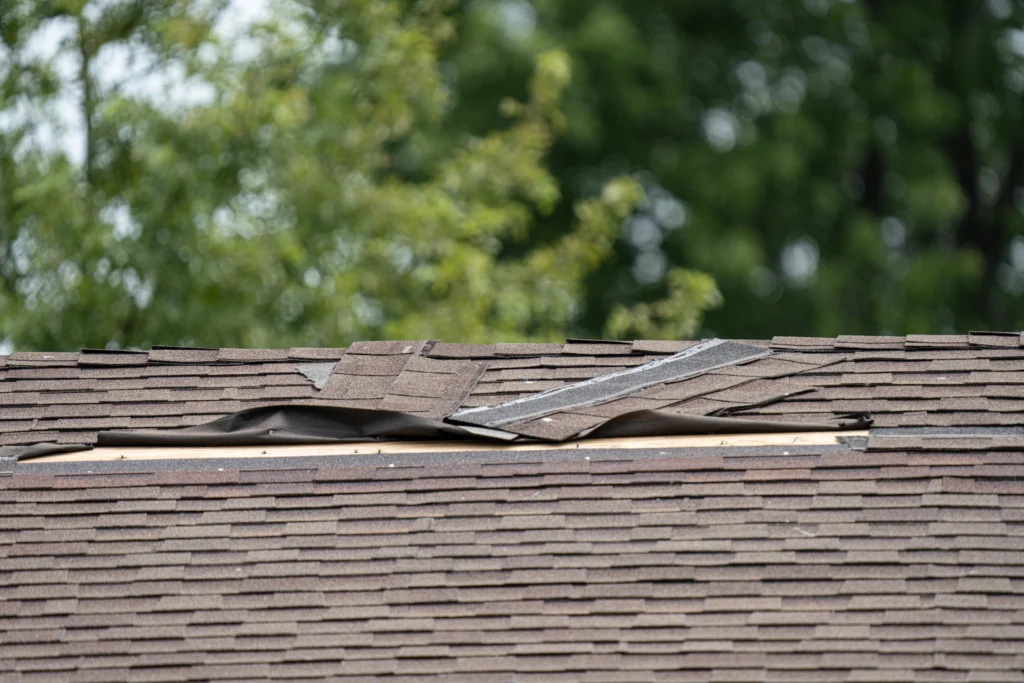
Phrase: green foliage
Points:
(846, 166)
(513, 169)
(303, 198)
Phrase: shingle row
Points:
(810, 565)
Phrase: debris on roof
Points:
(610, 386)
(892, 554)
(920, 380)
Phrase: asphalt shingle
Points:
(894, 560)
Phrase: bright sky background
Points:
(128, 68)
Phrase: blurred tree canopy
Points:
(838, 166)
(290, 193)
(507, 169)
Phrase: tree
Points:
(292, 192)
(838, 166)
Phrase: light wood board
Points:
(382, 447)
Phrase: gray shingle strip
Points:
(994, 339)
(317, 373)
(696, 360)
(385, 348)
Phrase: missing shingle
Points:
(693, 361)
(317, 373)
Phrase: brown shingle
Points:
(385, 348)
(426, 384)
(994, 339)
(422, 364)
(37, 358)
(803, 343)
(857, 341)
(741, 565)
(584, 348)
(937, 341)
(622, 406)
(661, 346)
(556, 427)
(527, 349)
(466, 351)
(102, 357)
(182, 355)
(371, 365)
(252, 355)
(693, 387)
(307, 353)
(349, 386)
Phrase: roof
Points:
(892, 557)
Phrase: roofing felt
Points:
(896, 557)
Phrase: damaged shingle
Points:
(317, 373)
(922, 380)
(696, 360)
(385, 348)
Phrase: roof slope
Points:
(901, 558)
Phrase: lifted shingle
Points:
(696, 360)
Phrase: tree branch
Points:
(87, 99)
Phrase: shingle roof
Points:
(942, 381)
(894, 558)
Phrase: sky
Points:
(130, 69)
